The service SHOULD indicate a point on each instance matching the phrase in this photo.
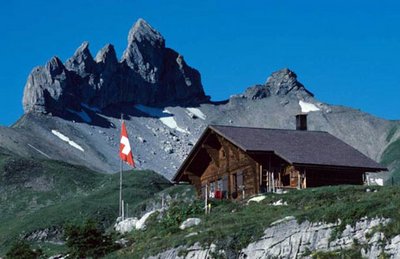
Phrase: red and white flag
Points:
(125, 151)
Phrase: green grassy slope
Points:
(391, 156)
(233, 225)
(38, 195)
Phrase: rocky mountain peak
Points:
(282, 76)
(142, 31)
(106, 55)
(149, 74)
(281, 83)
(82, 61)
(284, 81)
(55, 66)
(145, 51)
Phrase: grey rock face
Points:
(145, 51)
(281, 83)
(49, 88)
(257, 92)
(285, 81)
(82, 61)
(289, 239)
(149, 73)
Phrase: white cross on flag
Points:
(125, 151)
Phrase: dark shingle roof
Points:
(298, 147)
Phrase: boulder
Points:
(190, 222)
(141, 223)
(126, 225)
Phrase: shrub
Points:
(178, 212)
(22, 250)
(88, 240)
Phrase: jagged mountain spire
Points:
(145, 51)
(107, 55)
(82, 61)
(142, 31)
(149, 73)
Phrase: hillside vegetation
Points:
(45, 195)
(391, 156)
(233, 225)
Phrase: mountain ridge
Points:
(79, 102)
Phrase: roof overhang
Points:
(341, 167)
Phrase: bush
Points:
(88, 240)
(22, 250)
(178, 212)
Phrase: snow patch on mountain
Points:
(66, 139)
(171, 123)
(308, 107)
(165, 116)
(197, 112)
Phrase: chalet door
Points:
(240, 182)
(225, 187)
(264, 181)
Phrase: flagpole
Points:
(121, 164)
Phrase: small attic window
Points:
(222, 153)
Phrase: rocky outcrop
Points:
(149, 73)
(288, 238)
(284, 81)
(49, 88)
(53, 235)
(281, 83)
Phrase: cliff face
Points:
(149, 73)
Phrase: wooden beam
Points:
(195, 180)
(305, 179)
(213, 153)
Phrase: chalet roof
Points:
(298, 147)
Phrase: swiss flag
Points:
(125, 151)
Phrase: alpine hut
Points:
(230, 162)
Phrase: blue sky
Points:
(345, 52)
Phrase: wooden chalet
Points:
(232, 162)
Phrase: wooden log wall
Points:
(228, 161)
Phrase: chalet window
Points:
(222, 153)
(203, 191)
(238, 181)
(219, 188)
(212, 189)
(223, 185)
